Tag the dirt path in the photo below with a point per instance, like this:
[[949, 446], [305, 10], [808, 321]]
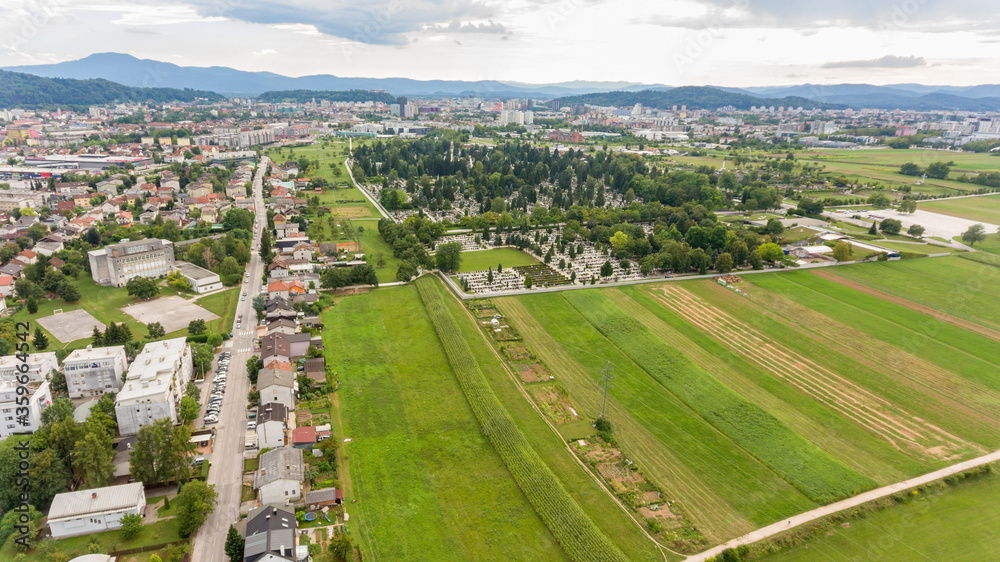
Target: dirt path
[[943, 316], [793, 522]]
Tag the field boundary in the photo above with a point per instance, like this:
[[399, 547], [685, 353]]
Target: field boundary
[[820, 512]]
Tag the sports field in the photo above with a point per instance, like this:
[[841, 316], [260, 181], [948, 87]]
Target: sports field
[[983, 209]]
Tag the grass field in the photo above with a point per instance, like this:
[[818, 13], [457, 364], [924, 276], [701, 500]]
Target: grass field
[[489, 259], [980, 209], [157, 533], [427, 482], [958, 523]]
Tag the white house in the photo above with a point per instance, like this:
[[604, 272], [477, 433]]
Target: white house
[[40, 366], [271, 425], [154, 385], [93, 372], [277, 385], [94, 511], [279, 478]]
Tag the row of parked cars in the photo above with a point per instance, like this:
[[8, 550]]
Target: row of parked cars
[[215, 400]]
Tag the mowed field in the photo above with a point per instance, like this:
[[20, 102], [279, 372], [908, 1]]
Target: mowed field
[[428, 484], [747, 409], [985, 208], [490, 259]]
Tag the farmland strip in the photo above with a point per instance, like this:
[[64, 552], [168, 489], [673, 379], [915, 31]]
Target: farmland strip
[[800, 462], [577, 534]]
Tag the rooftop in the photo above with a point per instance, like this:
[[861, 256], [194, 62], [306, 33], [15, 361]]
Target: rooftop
[[90, 354], [280, 464], [111, 499]]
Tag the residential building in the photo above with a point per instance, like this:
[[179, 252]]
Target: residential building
[[304, 437], [95, 371], [96, 510], [154, 385], [117, 263], [271, 424], [40, 366], [201, 279], [279, 478], [318, 499], [270, 535], [13, 420], [277, 385]]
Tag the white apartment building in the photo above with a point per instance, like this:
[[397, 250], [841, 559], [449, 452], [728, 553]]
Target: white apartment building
[[40, 366], [11, 422], [117, 263], [154, 385], [94, 372]]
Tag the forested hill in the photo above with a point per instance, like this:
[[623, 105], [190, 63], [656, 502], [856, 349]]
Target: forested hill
[[694, 97], [304, 96], [29, 91]]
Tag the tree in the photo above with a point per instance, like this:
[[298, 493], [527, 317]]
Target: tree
[[32, 305], [69, 293], [527, 281], [142, 288], [58, 383], [842, 251], [891, 226], [938, 170], [908, 206], [156, 330], [203, 355], [407, 270], [194, 502], [909, 169], [41, 341], [196, 327], [160, 453], [234, 545], [340, 548], [915, 230], [449, 256], [131, 525], [976, 233], [607, 269], [874, 229], [189, 409], [12, 520], [93, 456], [59, 410], [724, 263], [774, 226], [259, 303], [770, 252]]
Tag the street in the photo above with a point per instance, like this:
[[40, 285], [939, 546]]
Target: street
[[226, 473]]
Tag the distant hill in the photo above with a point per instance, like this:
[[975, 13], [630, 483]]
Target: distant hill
[[304, 96], [694, 97], [24, 90]]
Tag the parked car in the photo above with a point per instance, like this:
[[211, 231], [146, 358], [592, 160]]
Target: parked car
[[251, 425]]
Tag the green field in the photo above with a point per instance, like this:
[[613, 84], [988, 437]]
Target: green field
[[427, 482], [490, 259], [957, 523], [981, 209]]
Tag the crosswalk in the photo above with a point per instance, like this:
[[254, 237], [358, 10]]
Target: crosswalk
[[245, 350]]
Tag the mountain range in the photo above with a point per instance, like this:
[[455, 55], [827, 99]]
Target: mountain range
[[144, 73]]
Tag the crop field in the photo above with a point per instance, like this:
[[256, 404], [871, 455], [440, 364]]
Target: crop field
[[572, 528], [490, 259], [428, 483], [957, 523], [983, 209]]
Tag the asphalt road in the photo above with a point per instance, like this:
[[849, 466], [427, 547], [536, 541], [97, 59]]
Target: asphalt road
[[226, 473]]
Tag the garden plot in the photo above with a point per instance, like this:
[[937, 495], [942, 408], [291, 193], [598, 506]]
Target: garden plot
[[173, 313], [71, 326]]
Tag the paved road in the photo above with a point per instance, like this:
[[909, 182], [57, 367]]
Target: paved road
[[227, 457], [786, 524]]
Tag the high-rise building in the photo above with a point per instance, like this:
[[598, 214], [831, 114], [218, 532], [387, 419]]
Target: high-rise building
[[117, 263], [94, 371], [154, 385]]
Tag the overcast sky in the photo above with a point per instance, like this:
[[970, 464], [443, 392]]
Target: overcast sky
[[674, 42]]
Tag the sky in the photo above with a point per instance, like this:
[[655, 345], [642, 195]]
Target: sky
[[674, 42]]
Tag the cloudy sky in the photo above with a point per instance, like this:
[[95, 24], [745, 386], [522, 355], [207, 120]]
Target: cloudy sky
[[675, 42]]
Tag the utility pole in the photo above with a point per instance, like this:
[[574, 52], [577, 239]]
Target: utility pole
[[606, 381]]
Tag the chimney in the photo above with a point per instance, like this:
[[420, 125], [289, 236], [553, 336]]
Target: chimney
[[93, 496]]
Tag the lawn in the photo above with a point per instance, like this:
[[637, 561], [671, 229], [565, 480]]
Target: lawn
[[374, 245], [957, 523], [223, 304], [157, 533], [490, 259], [981, 209], [428, 484], [103, 303]]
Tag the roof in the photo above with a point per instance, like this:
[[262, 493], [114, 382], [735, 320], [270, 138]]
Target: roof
[[275, 377], [272, 411], [315, 365], [94, 353], [260, 519], [323, 496], [280, 464], [194, 272], [304, 434], [110, 499]]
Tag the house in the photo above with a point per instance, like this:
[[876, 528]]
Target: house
[[326, 497], [271, 425], [270, 535], [286, 288], [6, 285], [278, 268], [277, 385], [282, 326], [303, 251], [124, 219], [275, 347], [28, 257], [315, 369], [279, 478], [304, 437], [94, 511], [12, 269], [49, 245]]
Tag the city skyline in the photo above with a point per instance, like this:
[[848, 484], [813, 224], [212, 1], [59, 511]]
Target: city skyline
[[679, 42]]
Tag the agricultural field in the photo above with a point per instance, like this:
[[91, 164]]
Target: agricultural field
[[489, 259], [981, 209], [428, 483]]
